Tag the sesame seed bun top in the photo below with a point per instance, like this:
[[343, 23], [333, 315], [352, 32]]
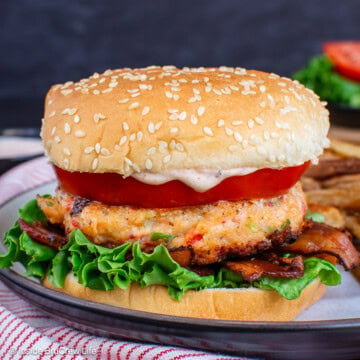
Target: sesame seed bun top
[[164, 118]]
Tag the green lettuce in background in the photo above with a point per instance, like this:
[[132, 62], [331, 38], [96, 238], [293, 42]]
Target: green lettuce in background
[[320, 75], [101, 268]]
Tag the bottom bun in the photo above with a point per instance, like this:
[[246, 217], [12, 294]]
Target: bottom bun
[[226, 304]]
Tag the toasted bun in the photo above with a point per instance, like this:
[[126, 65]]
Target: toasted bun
[[226, 304], [163, 118]]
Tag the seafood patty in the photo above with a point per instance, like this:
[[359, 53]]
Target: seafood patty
[[214, 232]]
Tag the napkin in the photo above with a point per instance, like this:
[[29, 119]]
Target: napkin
[[29, 333]]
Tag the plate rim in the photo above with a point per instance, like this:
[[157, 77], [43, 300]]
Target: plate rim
[[210, 324]]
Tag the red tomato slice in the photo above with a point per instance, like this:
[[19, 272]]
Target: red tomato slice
[[113, 189], [345, 55]]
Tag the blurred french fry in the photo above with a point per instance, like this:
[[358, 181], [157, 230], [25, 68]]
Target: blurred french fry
[[342, 197], [344, 148], [332, 215], [352, 223]]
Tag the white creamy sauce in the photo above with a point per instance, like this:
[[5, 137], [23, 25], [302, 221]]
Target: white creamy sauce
[[199, 180], [13, 147]]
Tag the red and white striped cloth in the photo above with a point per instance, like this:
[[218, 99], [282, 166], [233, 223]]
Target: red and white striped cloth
[[28, 333]]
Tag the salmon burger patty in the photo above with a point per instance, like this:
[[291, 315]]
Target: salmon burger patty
[[214, 231]]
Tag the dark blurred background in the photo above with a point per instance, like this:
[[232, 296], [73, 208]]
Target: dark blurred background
[[44, 42]]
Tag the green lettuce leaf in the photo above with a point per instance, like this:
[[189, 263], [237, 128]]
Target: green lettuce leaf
[[291, 288], [101, 268], [320, 75]]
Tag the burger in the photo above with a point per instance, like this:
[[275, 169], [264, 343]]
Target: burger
[[178, 193]]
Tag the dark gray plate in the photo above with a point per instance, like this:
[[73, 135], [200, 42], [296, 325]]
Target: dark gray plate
[[327, 339]]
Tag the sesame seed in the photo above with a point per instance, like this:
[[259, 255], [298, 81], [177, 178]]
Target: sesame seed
[[163, 145], [113, 84], [67, 128], [66, 92], [66, 163], [201, 110], [97, 148], [166, 159], [174, 116], [262, 104], [88, 149], [132, 137], [151, 151], [208, 88], [66, 151], [193, 119], [192, 100], [79, 133], [96, 92], [250, 123], [123, 140], [53, 131], [133, 105], [139, 135], [107, 90], [266, 135], [237, 122], [125, 126], [52, 114], [282, 125], [123, 101], [172, 111], [208, 131], [57, 139], [287, 109], [135, 95], [158, 125], [168, 94], [232, 148], [172, 144], [176, 97], [69, 111], [217, 92], [228, 131], [259, 120], [98, 117], [94, 164], [238, 137], [174, 130], [271, 100], [151, 128], [182, 115], [274, 134], [76, 119], [262, 88], [133, 91], [148, 164], [128, 161], [220, 123], [179, 147], [145, 110], [233, 87]]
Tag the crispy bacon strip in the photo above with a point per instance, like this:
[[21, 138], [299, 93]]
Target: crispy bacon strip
[[282, 267], [324, 239], [42, 232], [182, 255]]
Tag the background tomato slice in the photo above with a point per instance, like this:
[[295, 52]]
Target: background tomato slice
[[345, 55], [113, 189]]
